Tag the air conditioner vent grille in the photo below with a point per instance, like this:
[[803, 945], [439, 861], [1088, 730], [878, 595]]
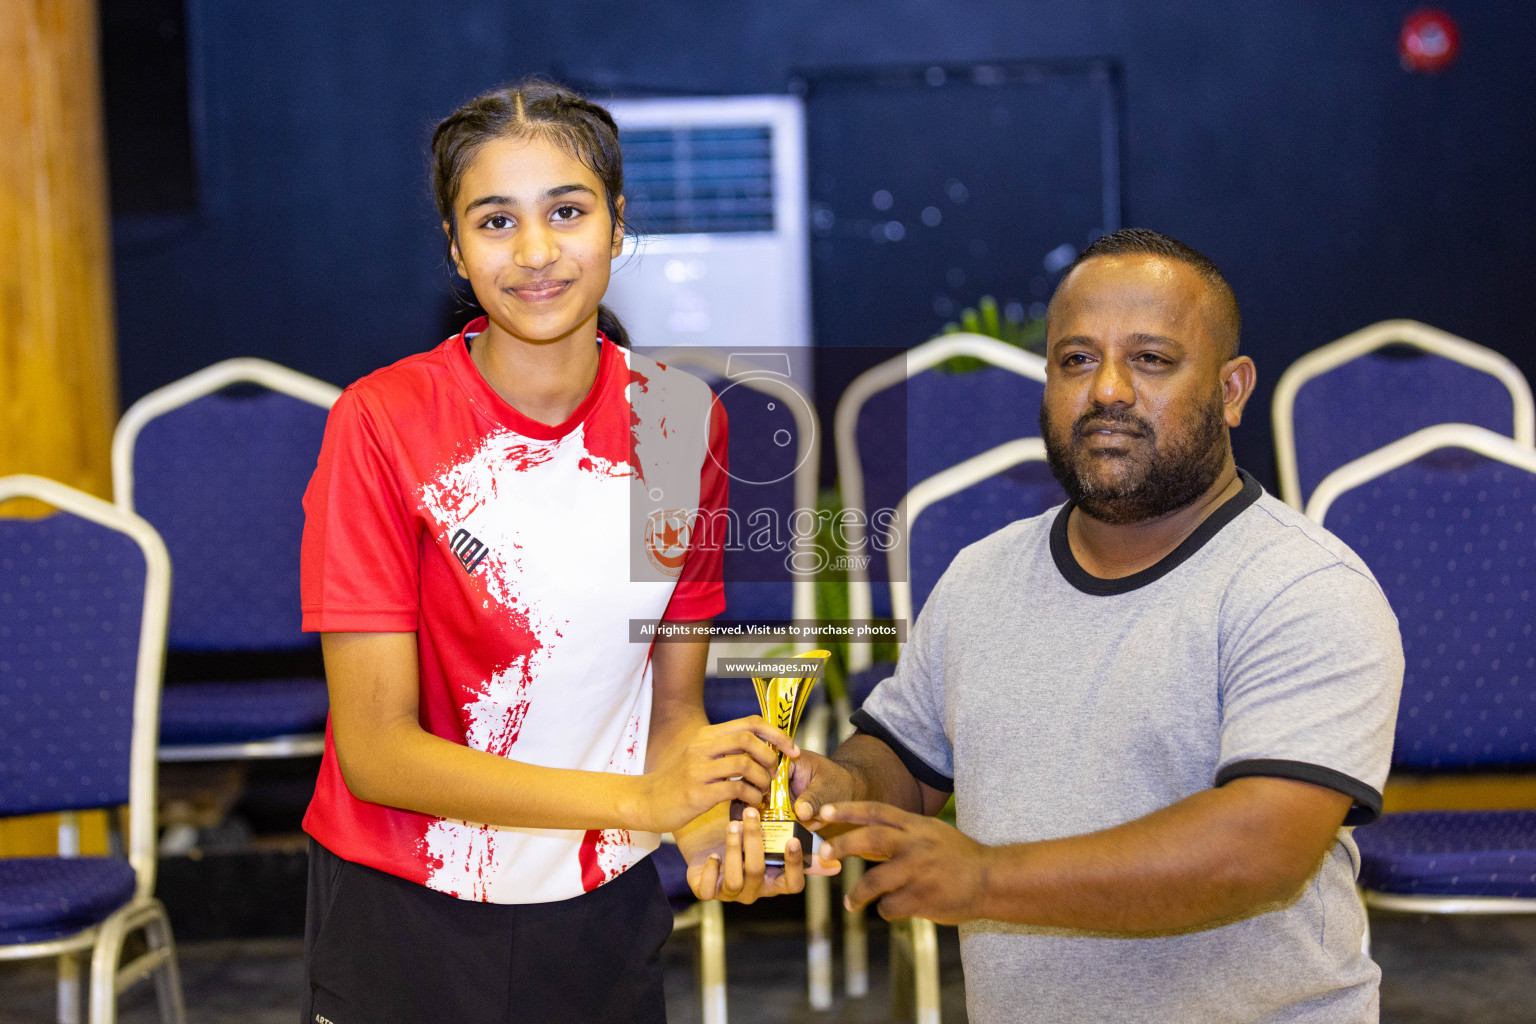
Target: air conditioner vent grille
[[701, 179]]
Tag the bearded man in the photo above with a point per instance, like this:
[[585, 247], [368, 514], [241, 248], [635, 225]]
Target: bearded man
[[1160, 706]]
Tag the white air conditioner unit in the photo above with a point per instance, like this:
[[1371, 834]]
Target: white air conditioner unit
[[716, 194]]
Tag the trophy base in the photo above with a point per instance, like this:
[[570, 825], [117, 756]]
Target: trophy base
[[776, 834]]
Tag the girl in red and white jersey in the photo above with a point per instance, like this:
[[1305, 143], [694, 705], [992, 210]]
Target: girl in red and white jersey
[[487, 524]]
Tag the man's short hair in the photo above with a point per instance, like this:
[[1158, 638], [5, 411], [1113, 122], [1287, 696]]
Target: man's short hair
[[1146, 242]]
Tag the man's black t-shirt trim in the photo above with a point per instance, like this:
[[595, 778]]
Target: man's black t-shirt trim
[[1066, 562], [921, 770], [1367, 806]]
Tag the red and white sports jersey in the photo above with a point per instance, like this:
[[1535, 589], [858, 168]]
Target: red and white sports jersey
[[509, 548]]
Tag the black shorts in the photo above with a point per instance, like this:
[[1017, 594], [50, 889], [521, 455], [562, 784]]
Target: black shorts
[[379, 949]]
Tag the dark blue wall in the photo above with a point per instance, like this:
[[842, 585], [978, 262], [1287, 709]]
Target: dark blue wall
[[1283, 139]]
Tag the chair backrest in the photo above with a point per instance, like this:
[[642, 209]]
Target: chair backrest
[[1446, 520], [775, 456], [218, 462], [907, 419], [1384, 382], [960, 506], [84, 596]]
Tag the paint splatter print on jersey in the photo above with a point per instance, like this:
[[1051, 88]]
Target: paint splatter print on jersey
[[508, 547]]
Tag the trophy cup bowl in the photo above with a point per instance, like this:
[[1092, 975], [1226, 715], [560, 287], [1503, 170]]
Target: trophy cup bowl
[[782, 699]]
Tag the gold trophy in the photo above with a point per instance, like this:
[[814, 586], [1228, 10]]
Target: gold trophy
[[782, 700]]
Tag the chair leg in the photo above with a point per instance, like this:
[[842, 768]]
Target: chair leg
[[814, 733], [69, 988], [925, 970], [159, 960], [900, 970], [915, 971], [104, 959], [168, 991], [712, 962], [855, 938], [818, 947]]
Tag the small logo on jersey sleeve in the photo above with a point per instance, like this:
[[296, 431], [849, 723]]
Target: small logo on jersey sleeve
[[667, 536], [471, 552]]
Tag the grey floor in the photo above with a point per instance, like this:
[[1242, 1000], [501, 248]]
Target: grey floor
[[1455, 971]]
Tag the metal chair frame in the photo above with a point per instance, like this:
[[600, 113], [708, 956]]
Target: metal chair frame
[[920, 945], [718, 364], [108, 976], [1416, 445], [1362, 471], [708, 916], [850, 479], [813, 731], [850, 469], [1369, 339], [171, 397]]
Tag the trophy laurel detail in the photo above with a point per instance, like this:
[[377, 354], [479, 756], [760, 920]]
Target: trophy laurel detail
[[782, 700]]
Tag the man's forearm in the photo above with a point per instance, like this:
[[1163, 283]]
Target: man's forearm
[[876, 773], [1217, 855]]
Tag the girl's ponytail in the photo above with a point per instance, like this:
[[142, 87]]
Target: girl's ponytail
[[610, 326]]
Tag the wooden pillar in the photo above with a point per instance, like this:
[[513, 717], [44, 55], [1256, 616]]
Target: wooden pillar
[[58, 361]]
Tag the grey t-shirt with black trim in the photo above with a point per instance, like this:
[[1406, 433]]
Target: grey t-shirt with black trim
[[1056, 703]]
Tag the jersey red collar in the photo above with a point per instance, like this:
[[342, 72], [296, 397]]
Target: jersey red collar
[[485, 399]]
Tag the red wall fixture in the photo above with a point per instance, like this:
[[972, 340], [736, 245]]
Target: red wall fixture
[[1429, 41]]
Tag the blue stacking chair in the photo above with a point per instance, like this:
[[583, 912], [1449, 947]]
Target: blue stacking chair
[[775, 455], [84, 594], [943, 419], [218, 463], [1446, 520], [963, 504], [942, 514], [960, 505], [1381, 383]]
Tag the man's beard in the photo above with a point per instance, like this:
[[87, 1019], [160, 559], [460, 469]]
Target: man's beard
[[1162, 478]]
